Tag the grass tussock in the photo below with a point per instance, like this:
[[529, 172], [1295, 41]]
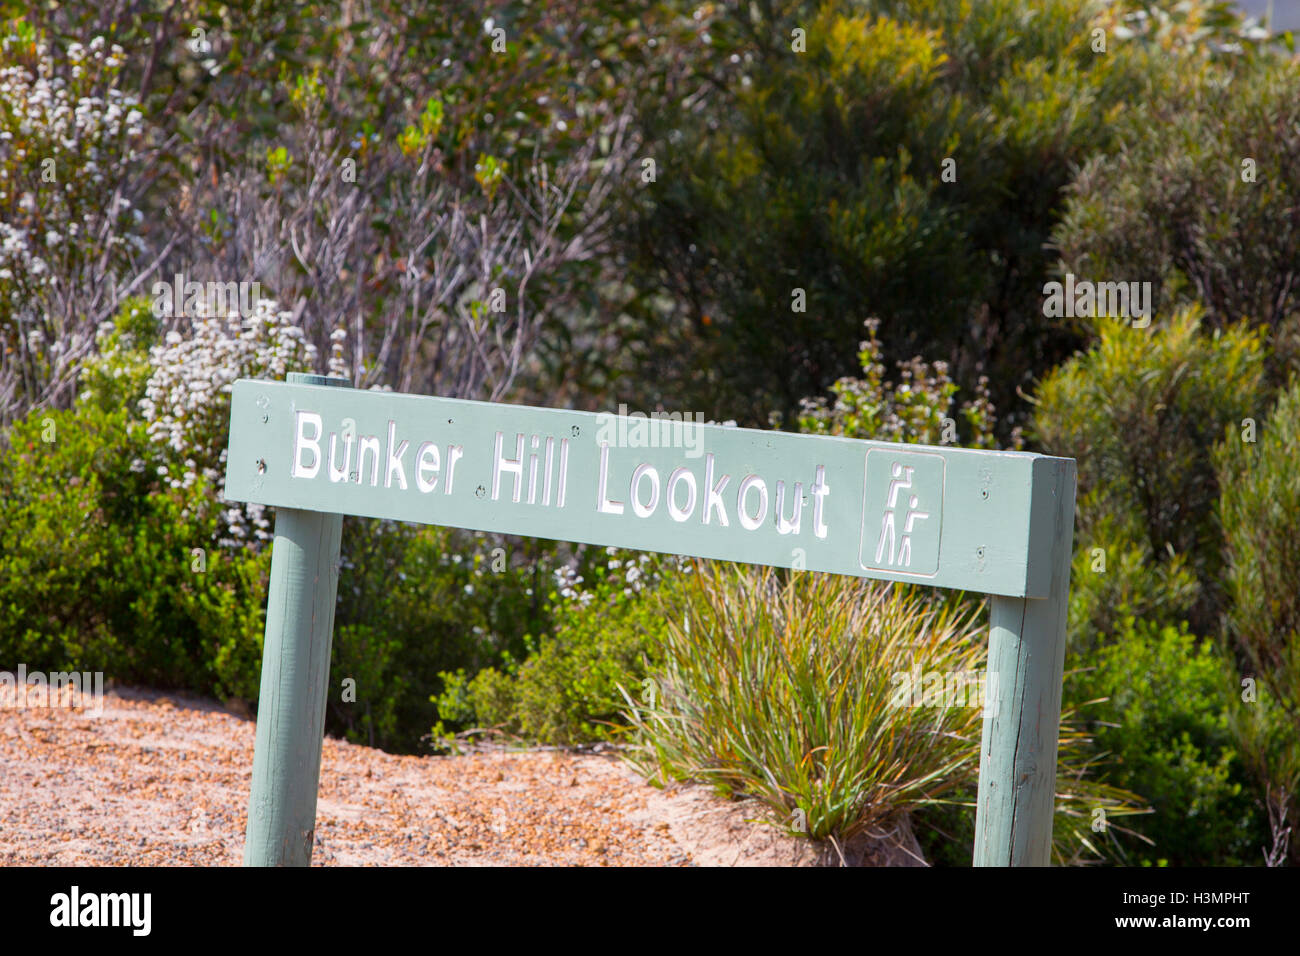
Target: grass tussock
[[786, 687], [792, 688]]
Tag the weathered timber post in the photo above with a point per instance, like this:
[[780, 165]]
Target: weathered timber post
[[295, 678], [1017, 781]]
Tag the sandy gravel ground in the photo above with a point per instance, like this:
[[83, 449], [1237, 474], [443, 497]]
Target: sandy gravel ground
[[163, 780]]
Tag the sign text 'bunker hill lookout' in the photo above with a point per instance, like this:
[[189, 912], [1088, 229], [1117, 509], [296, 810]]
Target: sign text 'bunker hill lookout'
[[828, 504], [520, 461]]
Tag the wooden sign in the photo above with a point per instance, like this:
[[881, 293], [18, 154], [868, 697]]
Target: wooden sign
[[996, 522], [948, 517]]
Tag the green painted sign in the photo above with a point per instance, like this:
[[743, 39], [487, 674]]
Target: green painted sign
[[948, 517], [997, 522]]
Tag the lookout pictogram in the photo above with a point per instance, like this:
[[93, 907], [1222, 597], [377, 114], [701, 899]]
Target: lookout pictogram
[[902, 558], [902, 512]]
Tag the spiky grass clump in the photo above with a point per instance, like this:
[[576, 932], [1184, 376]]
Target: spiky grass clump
[[792, 688]]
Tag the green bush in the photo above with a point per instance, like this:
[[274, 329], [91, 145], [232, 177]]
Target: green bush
[[1260, 511], [1201, 200], [917, 408], [118, 374], [1113, 575], [416, 601], [1165, 724], [796, 689], [909, 164], [1141, 412], [60, 589], [567, 689], [104, 566], [1264, 728]]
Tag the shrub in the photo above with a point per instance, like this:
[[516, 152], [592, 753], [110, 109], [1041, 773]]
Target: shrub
[[59, 584], [568, 690], [103, 566], [186, 404], [795, 689], [1264, 729], [910, 165], [415, 601], [1164, 720], [1141, 412], [1113, 575], [118, 374], [1260, 511], [1201, 201], [916, 408], [73, 160]]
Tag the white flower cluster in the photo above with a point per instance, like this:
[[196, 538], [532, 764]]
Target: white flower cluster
[[338, 365], [567, 581], [636, 577], [187, 404], [42, 104], [45, 118], [18, 258]]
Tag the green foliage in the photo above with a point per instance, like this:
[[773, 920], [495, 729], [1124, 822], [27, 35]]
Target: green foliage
[[1201, 200], [825, 171], [1165, 723], [568, 690], [1141, 411], [98, 568], [1264, 728], [415, 601], [116, 376], [815, 693], [1114, 576], [51, 544], [1260, 512], [787, 692], [915, 409]]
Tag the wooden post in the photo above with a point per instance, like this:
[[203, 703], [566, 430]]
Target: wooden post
[[295, 680], [1017, 780]]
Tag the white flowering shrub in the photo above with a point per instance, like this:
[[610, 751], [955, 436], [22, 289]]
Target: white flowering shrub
[[916, 408], [70, 142], [625, 574], [186, 406]]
